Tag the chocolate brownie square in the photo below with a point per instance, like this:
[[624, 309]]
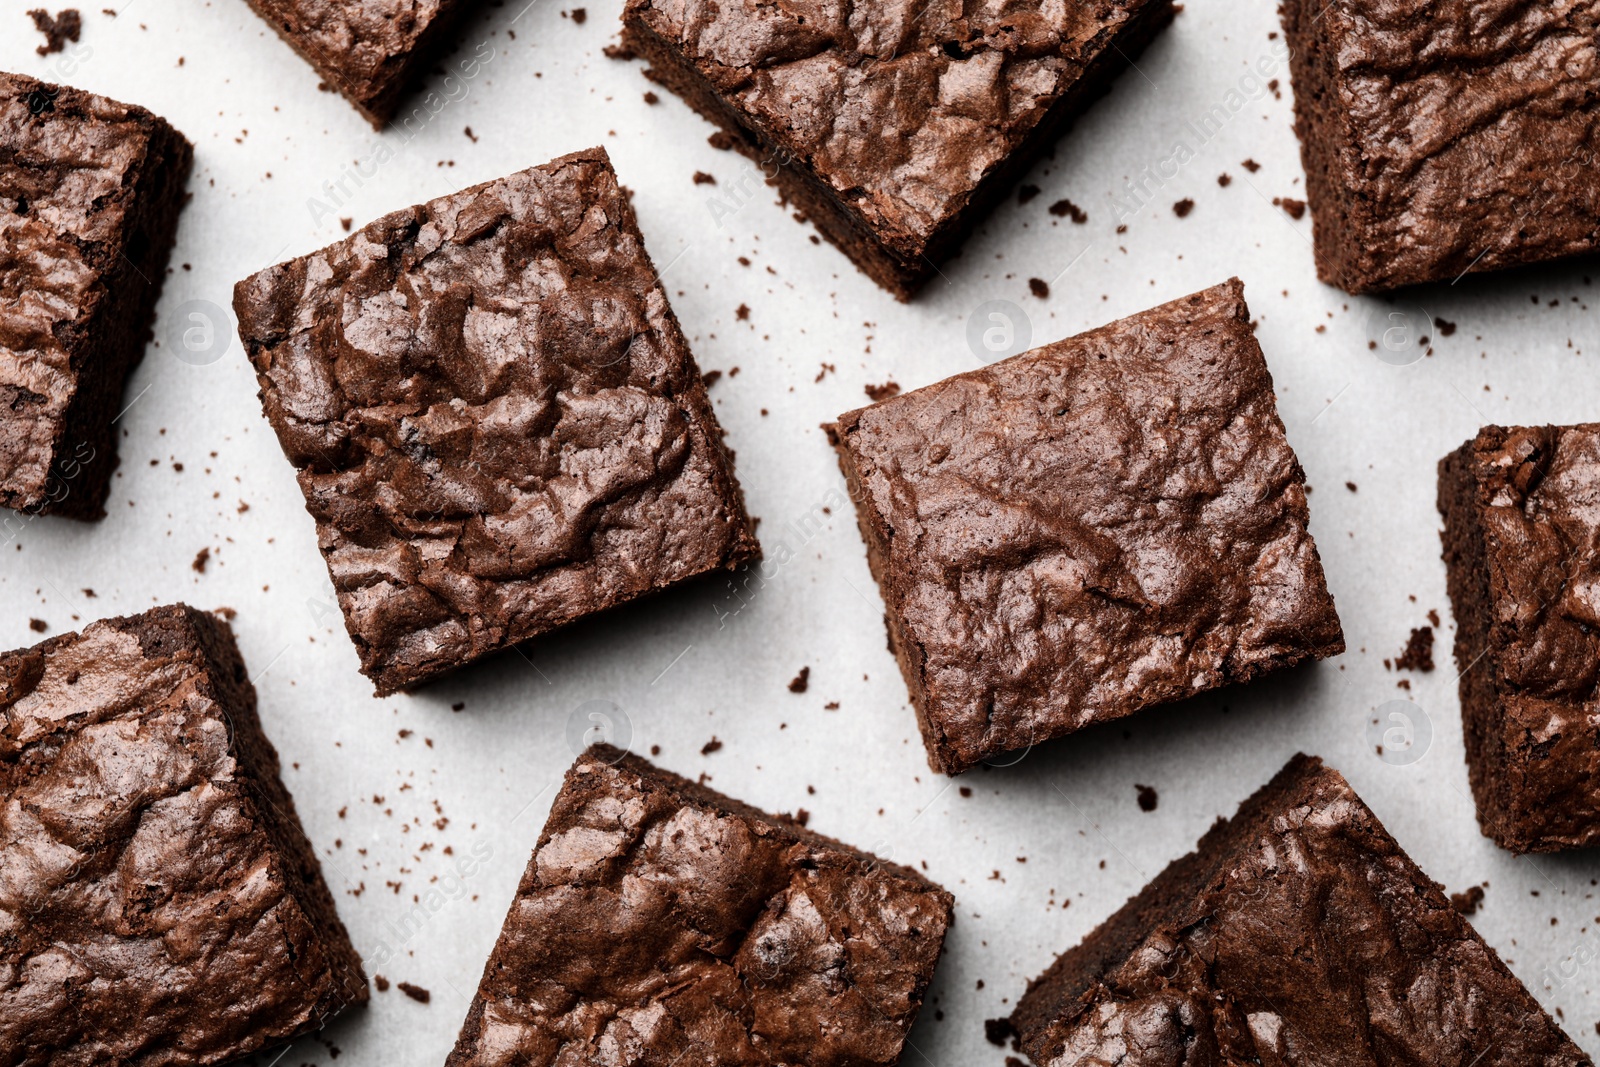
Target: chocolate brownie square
[[495, 418], [1109, 522], [159, 901], [659, 919], [1299, 932], [1445, 138], [89, 196], [369, 50], [1520, 547], [893, 128]]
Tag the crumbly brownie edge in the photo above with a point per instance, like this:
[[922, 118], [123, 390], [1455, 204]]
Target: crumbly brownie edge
[[902, 271], [1467, 582], [1341, 218], [263, 776], [907, 651], [110, 344]]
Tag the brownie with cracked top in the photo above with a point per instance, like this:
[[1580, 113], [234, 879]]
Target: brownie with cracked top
[[496, 421], [1102, 524], [369, 50], [1521, 531], [159, 902], [90, 191], [1299, 932], [893, 126], [659, 920], [1446, 137]]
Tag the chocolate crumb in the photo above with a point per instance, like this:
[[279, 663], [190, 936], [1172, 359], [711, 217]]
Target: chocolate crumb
[[1418, 655], [713, 745], [66, 26], [651, 98], [1183, 207], [1039, 288], [415, 992], [38, 626], [1444, 326], [1148, 797], [346, 223], [721, 140], [470, 135], [883, 392], [580, 15], [1066, 207], [1350, 486], [798, 683], [617, 51], [710, 378], [702, 178], [1251, 165], [381, 982], [1467, 901], [742, 312], [1433, 616], [1224, 179], [998, 1031], [1295, 209], [201, 558]]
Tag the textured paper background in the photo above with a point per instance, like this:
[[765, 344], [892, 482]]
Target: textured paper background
[[703, 663]]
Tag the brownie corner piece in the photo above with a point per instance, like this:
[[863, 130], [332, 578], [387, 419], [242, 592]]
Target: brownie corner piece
[[1406, 185], [159, 891], [1297, 932], [1106, 523], [496, 421], [663, 918], [368, 50], [1519, 547], [893, 133], [90, 191]]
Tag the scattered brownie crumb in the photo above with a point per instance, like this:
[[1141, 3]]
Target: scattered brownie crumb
[[580, 15], [998, 1031], [832, 705], [1444, 326], [1433, 616], [965, 790], [1350, 486], [470, 135], [1026, 193], [801, 817], [617, 51], [1251, 165], [66, 26], [827, 368], [798, 683], [722, 140], [415, 992], [1466, 902], [883, 392], [201, 558], [1148, 797], [655, 750], [713, 745], [1183, 207], [710, 378], [1039, 288], [651, 98], [90, 593], [38, 626], [1418, 655], [381, 982], [702, 178], [742, 312], [1066, 207], [346, 223], [1295, 209], [225, 613], [1224, 179]]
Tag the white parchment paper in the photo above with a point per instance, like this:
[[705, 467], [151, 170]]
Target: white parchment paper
[[1038, 853]]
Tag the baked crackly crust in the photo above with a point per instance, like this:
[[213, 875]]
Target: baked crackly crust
[[1299, 932], [369, 50], [659, 919], [89, 196], [894, 126], [1520, 538], [1446, 136], [495, 418], [160, 905], [1109, 522]]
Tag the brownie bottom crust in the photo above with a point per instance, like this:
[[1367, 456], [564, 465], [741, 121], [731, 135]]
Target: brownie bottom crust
[[900, 270]]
